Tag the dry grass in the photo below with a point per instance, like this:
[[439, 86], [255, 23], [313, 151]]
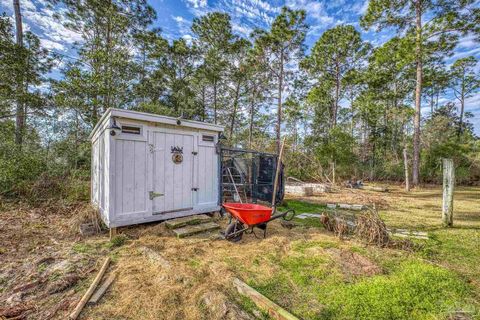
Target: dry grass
[[201, 270], [290, 266]]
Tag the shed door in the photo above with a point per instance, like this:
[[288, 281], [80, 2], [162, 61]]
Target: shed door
[[172, 172]]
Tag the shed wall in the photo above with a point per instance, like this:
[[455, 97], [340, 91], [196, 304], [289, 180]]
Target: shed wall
[[127, 167]]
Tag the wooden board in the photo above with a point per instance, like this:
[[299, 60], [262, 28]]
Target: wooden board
[[194, 229], [191, 220], [101, 291], [274, 310]]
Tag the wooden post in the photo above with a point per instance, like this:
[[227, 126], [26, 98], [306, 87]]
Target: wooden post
[[448, 187], [405, 162], [277, 173], [113, 233]]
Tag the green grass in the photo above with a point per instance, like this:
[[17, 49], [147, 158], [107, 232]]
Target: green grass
[[301, 206], [436, 280], [304, 207], [310, 287], [249, 306], [117, 241], [83, 247], [416, 290]]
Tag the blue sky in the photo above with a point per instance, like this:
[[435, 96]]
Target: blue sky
[[174, 18]]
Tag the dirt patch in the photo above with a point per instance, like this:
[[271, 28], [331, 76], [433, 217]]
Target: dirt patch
[[353, 264], [41, 271]]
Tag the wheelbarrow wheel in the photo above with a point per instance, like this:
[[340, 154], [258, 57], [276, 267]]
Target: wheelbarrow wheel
[[232, 228]]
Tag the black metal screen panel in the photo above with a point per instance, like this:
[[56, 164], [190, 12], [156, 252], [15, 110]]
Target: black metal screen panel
[[248, 176]]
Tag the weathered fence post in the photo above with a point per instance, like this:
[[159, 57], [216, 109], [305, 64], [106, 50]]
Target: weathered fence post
[[448, 186]]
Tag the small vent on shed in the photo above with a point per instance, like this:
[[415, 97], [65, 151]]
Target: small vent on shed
[[130, 130], [208, 138]]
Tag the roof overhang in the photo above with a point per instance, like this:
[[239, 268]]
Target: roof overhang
[[154, 118]]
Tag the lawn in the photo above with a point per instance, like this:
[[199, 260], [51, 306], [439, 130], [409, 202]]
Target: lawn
[[437, 280]]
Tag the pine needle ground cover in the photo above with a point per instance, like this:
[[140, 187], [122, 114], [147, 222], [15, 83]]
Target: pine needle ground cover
[[306, 269]]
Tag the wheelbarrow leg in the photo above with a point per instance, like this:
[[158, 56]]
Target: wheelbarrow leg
[[263, 226]]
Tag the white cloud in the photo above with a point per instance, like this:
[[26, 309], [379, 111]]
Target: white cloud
[[50, 45], [188, 38], [39, 18], [197, 3], [315, 10], [468, 42], [462, 54], [243, 30], [182, 24], [363, 8]]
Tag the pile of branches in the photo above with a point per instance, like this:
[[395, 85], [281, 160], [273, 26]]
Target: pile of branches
[[339, 225], [371, 229], [368, 227]]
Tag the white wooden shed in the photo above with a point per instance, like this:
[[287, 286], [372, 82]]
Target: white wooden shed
[[148, 167]]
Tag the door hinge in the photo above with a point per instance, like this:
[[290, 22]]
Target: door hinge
[[153, 195], [194, 189], [194, 153]]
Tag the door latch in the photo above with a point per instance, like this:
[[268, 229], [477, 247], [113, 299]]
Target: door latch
[[194, 153], [194, 189], [153, 195]]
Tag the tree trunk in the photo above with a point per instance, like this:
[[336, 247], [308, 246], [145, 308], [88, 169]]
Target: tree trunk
[[19, 114], [107, 76], [279, 109], [405, 164], [334, 116], [418, 95], [462, 108], [337, 96], [250, 129], [234, 113], [204, 107], [448, 187], [215, 101]]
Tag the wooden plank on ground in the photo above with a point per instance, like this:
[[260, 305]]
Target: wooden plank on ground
[[308, 215], [194, 229], [76, 312], [101, 291], [274, 310], [190, 220], [375, 188]]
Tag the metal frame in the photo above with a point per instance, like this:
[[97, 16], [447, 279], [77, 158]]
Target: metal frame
[[223, 150]]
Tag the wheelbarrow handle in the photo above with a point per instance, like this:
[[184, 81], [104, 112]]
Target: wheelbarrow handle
[[283, 215]]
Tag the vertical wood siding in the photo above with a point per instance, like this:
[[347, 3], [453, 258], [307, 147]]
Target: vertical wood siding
[[130, 165]]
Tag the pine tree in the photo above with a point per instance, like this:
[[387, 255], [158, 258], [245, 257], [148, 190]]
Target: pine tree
[[281, 46], [425, 21], [464, 82]]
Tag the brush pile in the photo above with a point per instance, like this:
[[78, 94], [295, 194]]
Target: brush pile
[[368, 227], [337, 224], [371, 229]]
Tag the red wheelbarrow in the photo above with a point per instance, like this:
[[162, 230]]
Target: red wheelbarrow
[[246, 216]]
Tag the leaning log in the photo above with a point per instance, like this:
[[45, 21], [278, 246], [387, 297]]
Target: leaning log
[[274, 310], [76, 312]]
